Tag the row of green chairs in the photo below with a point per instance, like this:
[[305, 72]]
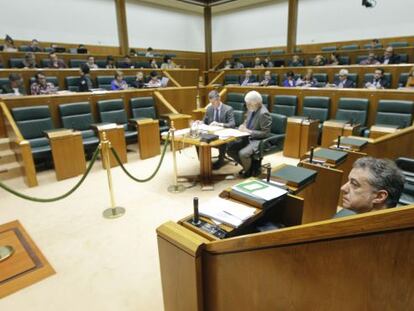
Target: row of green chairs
[[34, 121]]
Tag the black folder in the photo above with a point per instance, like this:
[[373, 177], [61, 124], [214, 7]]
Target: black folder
[[330, 156], [353, 142], [295, 176]]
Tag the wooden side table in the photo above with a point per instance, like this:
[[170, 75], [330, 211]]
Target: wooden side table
[[148, 138]]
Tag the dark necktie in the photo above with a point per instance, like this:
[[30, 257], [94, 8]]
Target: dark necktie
[[250, 123], [216, 115]]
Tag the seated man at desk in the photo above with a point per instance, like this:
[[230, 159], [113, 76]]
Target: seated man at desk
[[221, 115], [258, 123], [373, 184], [15, 85]]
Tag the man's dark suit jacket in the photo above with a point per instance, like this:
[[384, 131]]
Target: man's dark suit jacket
[[6, 89], [394, 59], [348, 83], [252, 79], [226, 116]]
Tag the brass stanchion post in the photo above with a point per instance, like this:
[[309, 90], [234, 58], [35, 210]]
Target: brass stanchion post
[[6, 251], [113, 211], [198, 103], [175, 188]]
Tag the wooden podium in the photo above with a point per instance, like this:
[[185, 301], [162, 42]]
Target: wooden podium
[[148, 138], [301, 135], [333, 128], [378, 131], [67, 152], [116, 135]]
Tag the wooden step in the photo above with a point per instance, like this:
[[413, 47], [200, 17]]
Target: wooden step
[[4, 144], [10, 170], [7, 156]]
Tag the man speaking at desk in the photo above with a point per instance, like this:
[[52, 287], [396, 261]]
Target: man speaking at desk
[[219, 114], [258, 123]]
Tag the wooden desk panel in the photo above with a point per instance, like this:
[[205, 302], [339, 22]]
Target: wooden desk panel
[[292, 141], [148, 138], [68, 155], [117, 138]]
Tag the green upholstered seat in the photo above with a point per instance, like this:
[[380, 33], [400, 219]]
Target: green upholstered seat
[[112, 111], [360, 58], [24, 48], [129, 79], [395, 112], [44, 63], [329, 48], [32, 122], [265, 98], [16, 62], [76, 63], [238, 117], [353, 109], [72, 83], [285, 105], [104, 82], [350, 47], [274, 142], [247, 64], [343, 60], [321, 77], [407, 167], [316, 107], [231, 79], [262, 53], [277, 52], [398, 44], [236, 100], [101, 63], [142, 65], [78, 116], [370, 76], [3, 81], [403, 58], [144, 107], [369, 46], [402, 80]]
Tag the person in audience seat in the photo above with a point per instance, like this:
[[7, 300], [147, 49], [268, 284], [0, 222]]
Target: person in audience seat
[[268, 63], [290, 79], [153, 64], [319, 60], [29, 61], [8, 45], [343, 81], [54, 62], [373, 184], [257, 124], [127, 63], [34, 46], [378, 80], [15, 85], [139, 82], [267, 79], [219, 114], [370, 60], [227, 64], [168, 63], [333, 59], [119, 83], [389, 57], [85, 82], [150, 52], [410, 80], [258, 63], [307, 80], [248, 78], [41, 86], [237, 64], [91, 63], [110, 62], [296, 62], [154, 81]]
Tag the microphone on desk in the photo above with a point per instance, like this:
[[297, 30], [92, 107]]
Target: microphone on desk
[[338, 144], [311, 155], [268, 172], [196, 216]]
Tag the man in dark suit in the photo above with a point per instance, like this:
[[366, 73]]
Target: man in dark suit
[[257, 124], [247, 78], [389, 57], [15, 85], [267, 79], [378, 81], [343, 81], [219, 114]]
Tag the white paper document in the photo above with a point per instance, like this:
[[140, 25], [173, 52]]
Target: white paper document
[[259, 189], [209, 128], [226, 211], [226, 133]]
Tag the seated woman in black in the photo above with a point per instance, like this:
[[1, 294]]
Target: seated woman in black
[[85, 83], [139, 82]]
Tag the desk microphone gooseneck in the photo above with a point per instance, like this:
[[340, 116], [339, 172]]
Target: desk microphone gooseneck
[[196, 216]]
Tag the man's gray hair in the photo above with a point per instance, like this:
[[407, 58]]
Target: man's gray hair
[[343, 72], [213, 94], [253, 96], [383, 175]]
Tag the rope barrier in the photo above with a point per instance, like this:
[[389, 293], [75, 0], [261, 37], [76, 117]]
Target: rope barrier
[[167, 141], [48, 200]]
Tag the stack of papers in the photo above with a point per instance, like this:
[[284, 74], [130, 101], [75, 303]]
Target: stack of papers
[[260, 189], [226, 133], [209, 128], [226, 211]]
